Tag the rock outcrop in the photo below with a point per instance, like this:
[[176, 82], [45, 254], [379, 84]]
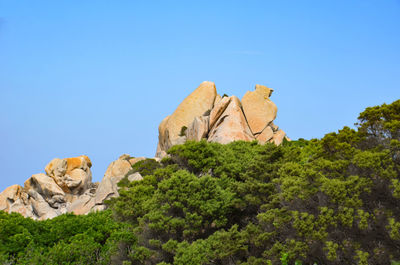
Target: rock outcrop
[[66, 188], [204, 114]]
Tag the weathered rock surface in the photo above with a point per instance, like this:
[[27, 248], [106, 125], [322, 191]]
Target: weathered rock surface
[[258, 108], [231, 125], [66, 187], [223, 120]]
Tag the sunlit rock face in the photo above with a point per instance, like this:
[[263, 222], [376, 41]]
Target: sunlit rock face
[[196, 104], [204, 114]]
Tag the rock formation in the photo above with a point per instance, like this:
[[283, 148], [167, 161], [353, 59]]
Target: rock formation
[[205, 115], [66, 187]]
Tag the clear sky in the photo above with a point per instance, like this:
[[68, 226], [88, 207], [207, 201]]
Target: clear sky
[[97, 77]]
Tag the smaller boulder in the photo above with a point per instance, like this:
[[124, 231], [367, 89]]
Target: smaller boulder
[[265, 135], [278, 137], [82, 205], [9, 196], [135, 177], [136, 159]]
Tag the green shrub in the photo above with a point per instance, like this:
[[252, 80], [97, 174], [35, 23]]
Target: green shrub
[[183, 131]]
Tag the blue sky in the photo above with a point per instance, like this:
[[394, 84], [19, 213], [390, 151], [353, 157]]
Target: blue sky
[[97, 77]]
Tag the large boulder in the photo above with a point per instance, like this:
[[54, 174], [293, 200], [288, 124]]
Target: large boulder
[[231, 125], [171, 129], [57, 169], [258, 108], [73, 174], [44, 185], [135, 177]]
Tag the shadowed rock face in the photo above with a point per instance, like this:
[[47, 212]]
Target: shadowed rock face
[[227, 119]]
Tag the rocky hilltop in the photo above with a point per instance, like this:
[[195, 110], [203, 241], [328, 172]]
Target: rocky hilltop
[[204, 114], [67, 187]]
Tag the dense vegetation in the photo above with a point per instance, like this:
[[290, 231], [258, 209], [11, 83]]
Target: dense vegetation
[[66, 239], [329, 201]]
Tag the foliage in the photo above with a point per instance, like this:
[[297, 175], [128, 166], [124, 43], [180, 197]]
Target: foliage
[[183, 131], [67, 239]]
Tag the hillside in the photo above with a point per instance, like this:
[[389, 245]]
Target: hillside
[[333, 200]]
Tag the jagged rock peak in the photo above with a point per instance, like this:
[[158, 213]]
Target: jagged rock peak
[[204, 114]]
